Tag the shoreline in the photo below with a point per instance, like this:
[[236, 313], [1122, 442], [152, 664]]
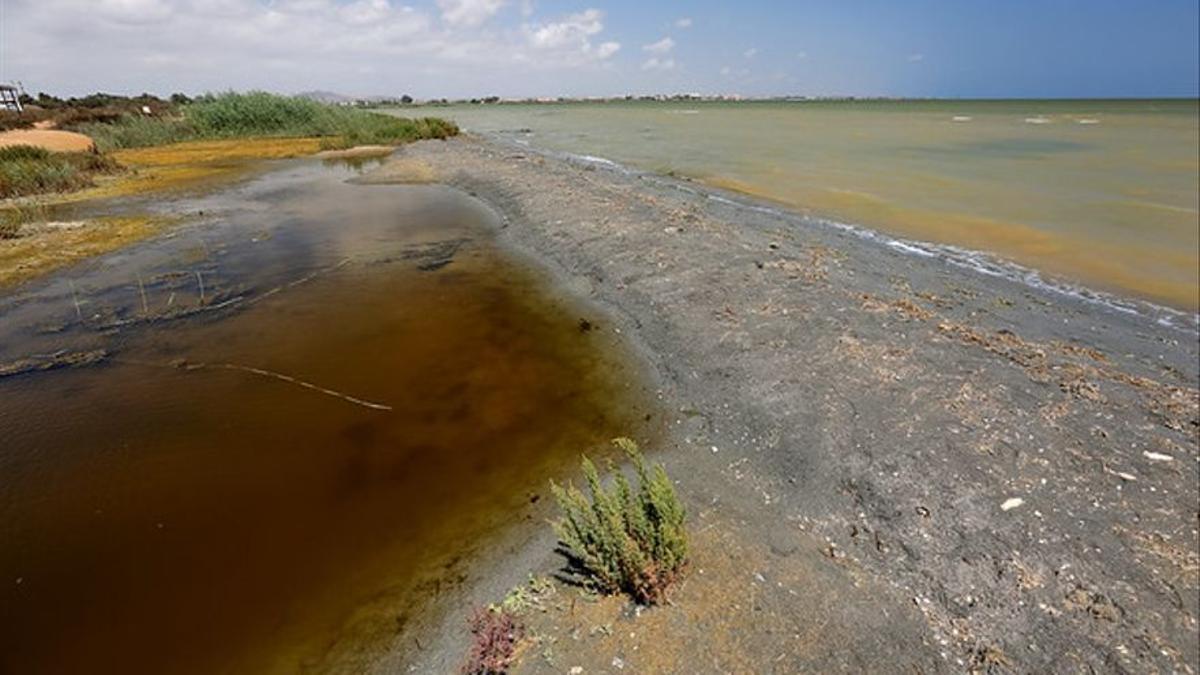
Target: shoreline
[[980, 261], [876, 411], [1059, 197], [846, 421]]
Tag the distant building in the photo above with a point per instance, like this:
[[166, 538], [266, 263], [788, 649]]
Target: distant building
[[10, 98]]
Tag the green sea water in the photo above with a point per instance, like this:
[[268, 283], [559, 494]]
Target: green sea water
[[1102, 193]]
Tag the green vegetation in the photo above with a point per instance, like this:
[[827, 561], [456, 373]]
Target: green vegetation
[[635, 543], [258, 114], [135, 131], [27, 170], [525, 597]]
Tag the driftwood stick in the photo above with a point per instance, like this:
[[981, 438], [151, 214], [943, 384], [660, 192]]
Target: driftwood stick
[[296, 381], [142, 291], [75, 299], [303, 280], [262, 372]]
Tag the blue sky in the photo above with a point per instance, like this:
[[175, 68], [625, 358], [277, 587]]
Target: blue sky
[[452, 48]]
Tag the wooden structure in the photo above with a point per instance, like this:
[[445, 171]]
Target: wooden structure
[[9, 98]]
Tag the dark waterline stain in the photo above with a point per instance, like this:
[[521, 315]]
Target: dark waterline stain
[[180, 508]]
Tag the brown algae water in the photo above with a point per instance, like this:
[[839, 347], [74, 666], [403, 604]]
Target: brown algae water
[[311, 399]]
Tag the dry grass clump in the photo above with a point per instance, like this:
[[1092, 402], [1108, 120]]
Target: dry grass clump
[[625, 541]]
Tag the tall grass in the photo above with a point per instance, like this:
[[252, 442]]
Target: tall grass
[[27, 170], [136, 131], [234, 115]]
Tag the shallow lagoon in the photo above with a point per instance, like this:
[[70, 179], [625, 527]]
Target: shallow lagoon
[[310, 404]]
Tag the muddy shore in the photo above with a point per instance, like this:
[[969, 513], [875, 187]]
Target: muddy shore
[[892, 463]]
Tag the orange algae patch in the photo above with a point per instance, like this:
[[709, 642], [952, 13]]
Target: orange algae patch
[[53, 245], [191, 164], [193, 152], [42, 247]]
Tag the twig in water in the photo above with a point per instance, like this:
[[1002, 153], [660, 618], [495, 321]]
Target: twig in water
[[75, 298], [142, 290], [295, 381], [200, 281], [297, 282], [186, 365]]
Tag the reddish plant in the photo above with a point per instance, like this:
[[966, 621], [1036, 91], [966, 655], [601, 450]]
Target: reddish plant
[[496, 634]]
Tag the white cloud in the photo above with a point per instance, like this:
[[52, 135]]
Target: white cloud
[[607, 49], [354, 46], [572, 29], [685, 22], [655, 63], [661, 47], [726, 70], [750, 53], [526, 7], [916, 58], [365, 11], [137, 12], [468, 12], [801, 55]]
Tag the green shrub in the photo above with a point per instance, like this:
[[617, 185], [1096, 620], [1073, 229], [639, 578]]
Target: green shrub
[[625, 542], [27, 170], [10, 228], [234, 115], [17, 153]]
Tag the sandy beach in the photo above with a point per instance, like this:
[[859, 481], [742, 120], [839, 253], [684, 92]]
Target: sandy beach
[[894, 463]]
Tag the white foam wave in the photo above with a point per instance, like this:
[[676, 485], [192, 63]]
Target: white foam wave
[[597, 160]]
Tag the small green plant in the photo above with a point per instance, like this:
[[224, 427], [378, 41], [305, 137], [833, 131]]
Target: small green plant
[[526, 596], [625, 541]]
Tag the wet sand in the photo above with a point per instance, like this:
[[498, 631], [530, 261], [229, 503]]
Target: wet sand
[[952, 470]]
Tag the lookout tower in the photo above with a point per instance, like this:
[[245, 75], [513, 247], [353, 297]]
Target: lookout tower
[[9, 98]]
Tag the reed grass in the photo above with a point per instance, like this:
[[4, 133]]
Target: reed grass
[[261, 114], [27, 170]]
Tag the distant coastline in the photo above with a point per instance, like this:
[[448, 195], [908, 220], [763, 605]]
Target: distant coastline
[[397, 101]]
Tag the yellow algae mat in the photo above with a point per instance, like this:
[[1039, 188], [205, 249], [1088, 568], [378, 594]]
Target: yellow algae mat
[[44, 243]]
